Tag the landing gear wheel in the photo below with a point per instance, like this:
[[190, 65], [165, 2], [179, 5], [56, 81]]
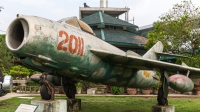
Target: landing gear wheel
[[70, 90], [44, 93], [69, 87], [47, 89]]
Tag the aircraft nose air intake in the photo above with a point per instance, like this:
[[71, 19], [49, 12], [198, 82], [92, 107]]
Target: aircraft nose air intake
[[17, 33]]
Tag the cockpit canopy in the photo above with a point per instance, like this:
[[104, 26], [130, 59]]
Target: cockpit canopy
[[73, 21]]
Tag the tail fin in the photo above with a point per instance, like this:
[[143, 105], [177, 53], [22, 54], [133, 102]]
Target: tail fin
[[150, 54]]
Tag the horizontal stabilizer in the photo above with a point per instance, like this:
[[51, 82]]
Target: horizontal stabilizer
[[170, 55]]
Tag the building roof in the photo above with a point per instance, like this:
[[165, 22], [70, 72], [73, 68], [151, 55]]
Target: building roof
[[146, 27], [115, 12], [114, 31], [93, 19], [105, 19], [109, 20], [120, 36], [144, 30]]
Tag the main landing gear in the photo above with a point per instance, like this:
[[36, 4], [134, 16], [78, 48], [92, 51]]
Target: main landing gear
[[69, 87], [163, 90], [47, 89]]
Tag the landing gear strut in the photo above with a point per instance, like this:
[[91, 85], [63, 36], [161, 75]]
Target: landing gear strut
[[69, 87], [47, 89], [163, 90]]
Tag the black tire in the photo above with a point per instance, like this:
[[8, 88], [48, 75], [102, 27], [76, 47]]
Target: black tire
[[44, 92], [70, 91]]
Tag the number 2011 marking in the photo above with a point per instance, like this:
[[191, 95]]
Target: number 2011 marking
[[78, 43]]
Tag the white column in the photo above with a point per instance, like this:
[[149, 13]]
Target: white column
[[126, 16]]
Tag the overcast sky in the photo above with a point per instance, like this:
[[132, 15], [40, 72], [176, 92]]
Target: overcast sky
[[145, 12]]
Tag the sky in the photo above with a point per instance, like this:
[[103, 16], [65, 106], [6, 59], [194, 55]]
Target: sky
[[145, 12]]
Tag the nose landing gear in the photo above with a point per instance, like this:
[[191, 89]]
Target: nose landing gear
[[47, 89]]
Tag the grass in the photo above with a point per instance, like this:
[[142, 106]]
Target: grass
[[113, 104], [11, 105]]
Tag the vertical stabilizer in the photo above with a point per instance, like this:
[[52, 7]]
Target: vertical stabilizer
[[150, 54]]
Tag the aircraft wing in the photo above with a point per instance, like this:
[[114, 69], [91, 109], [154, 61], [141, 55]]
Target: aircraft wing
[[141, 63]]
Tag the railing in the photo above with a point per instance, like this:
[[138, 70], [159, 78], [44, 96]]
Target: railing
[[36, 89]]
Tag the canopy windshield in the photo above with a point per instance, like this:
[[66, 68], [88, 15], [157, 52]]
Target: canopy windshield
[[79, 24]]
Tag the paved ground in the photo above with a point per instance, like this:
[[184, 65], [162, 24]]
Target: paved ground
[[11, 95]]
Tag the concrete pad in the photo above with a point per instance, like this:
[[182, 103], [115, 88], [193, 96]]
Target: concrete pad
[[73, 104], [163, 108], [50, 106]]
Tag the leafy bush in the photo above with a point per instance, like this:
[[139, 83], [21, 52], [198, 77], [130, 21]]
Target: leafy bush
[[78, 86], [85, 85], [159, 84], [31, 83], [19, 71], [14, 89], [99, 89], [37, 89], [116, 90], [6, 56]]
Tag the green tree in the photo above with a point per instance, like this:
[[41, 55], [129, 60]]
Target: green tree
[[178, 29], [19, 71], [157, 34], [5, 56]]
